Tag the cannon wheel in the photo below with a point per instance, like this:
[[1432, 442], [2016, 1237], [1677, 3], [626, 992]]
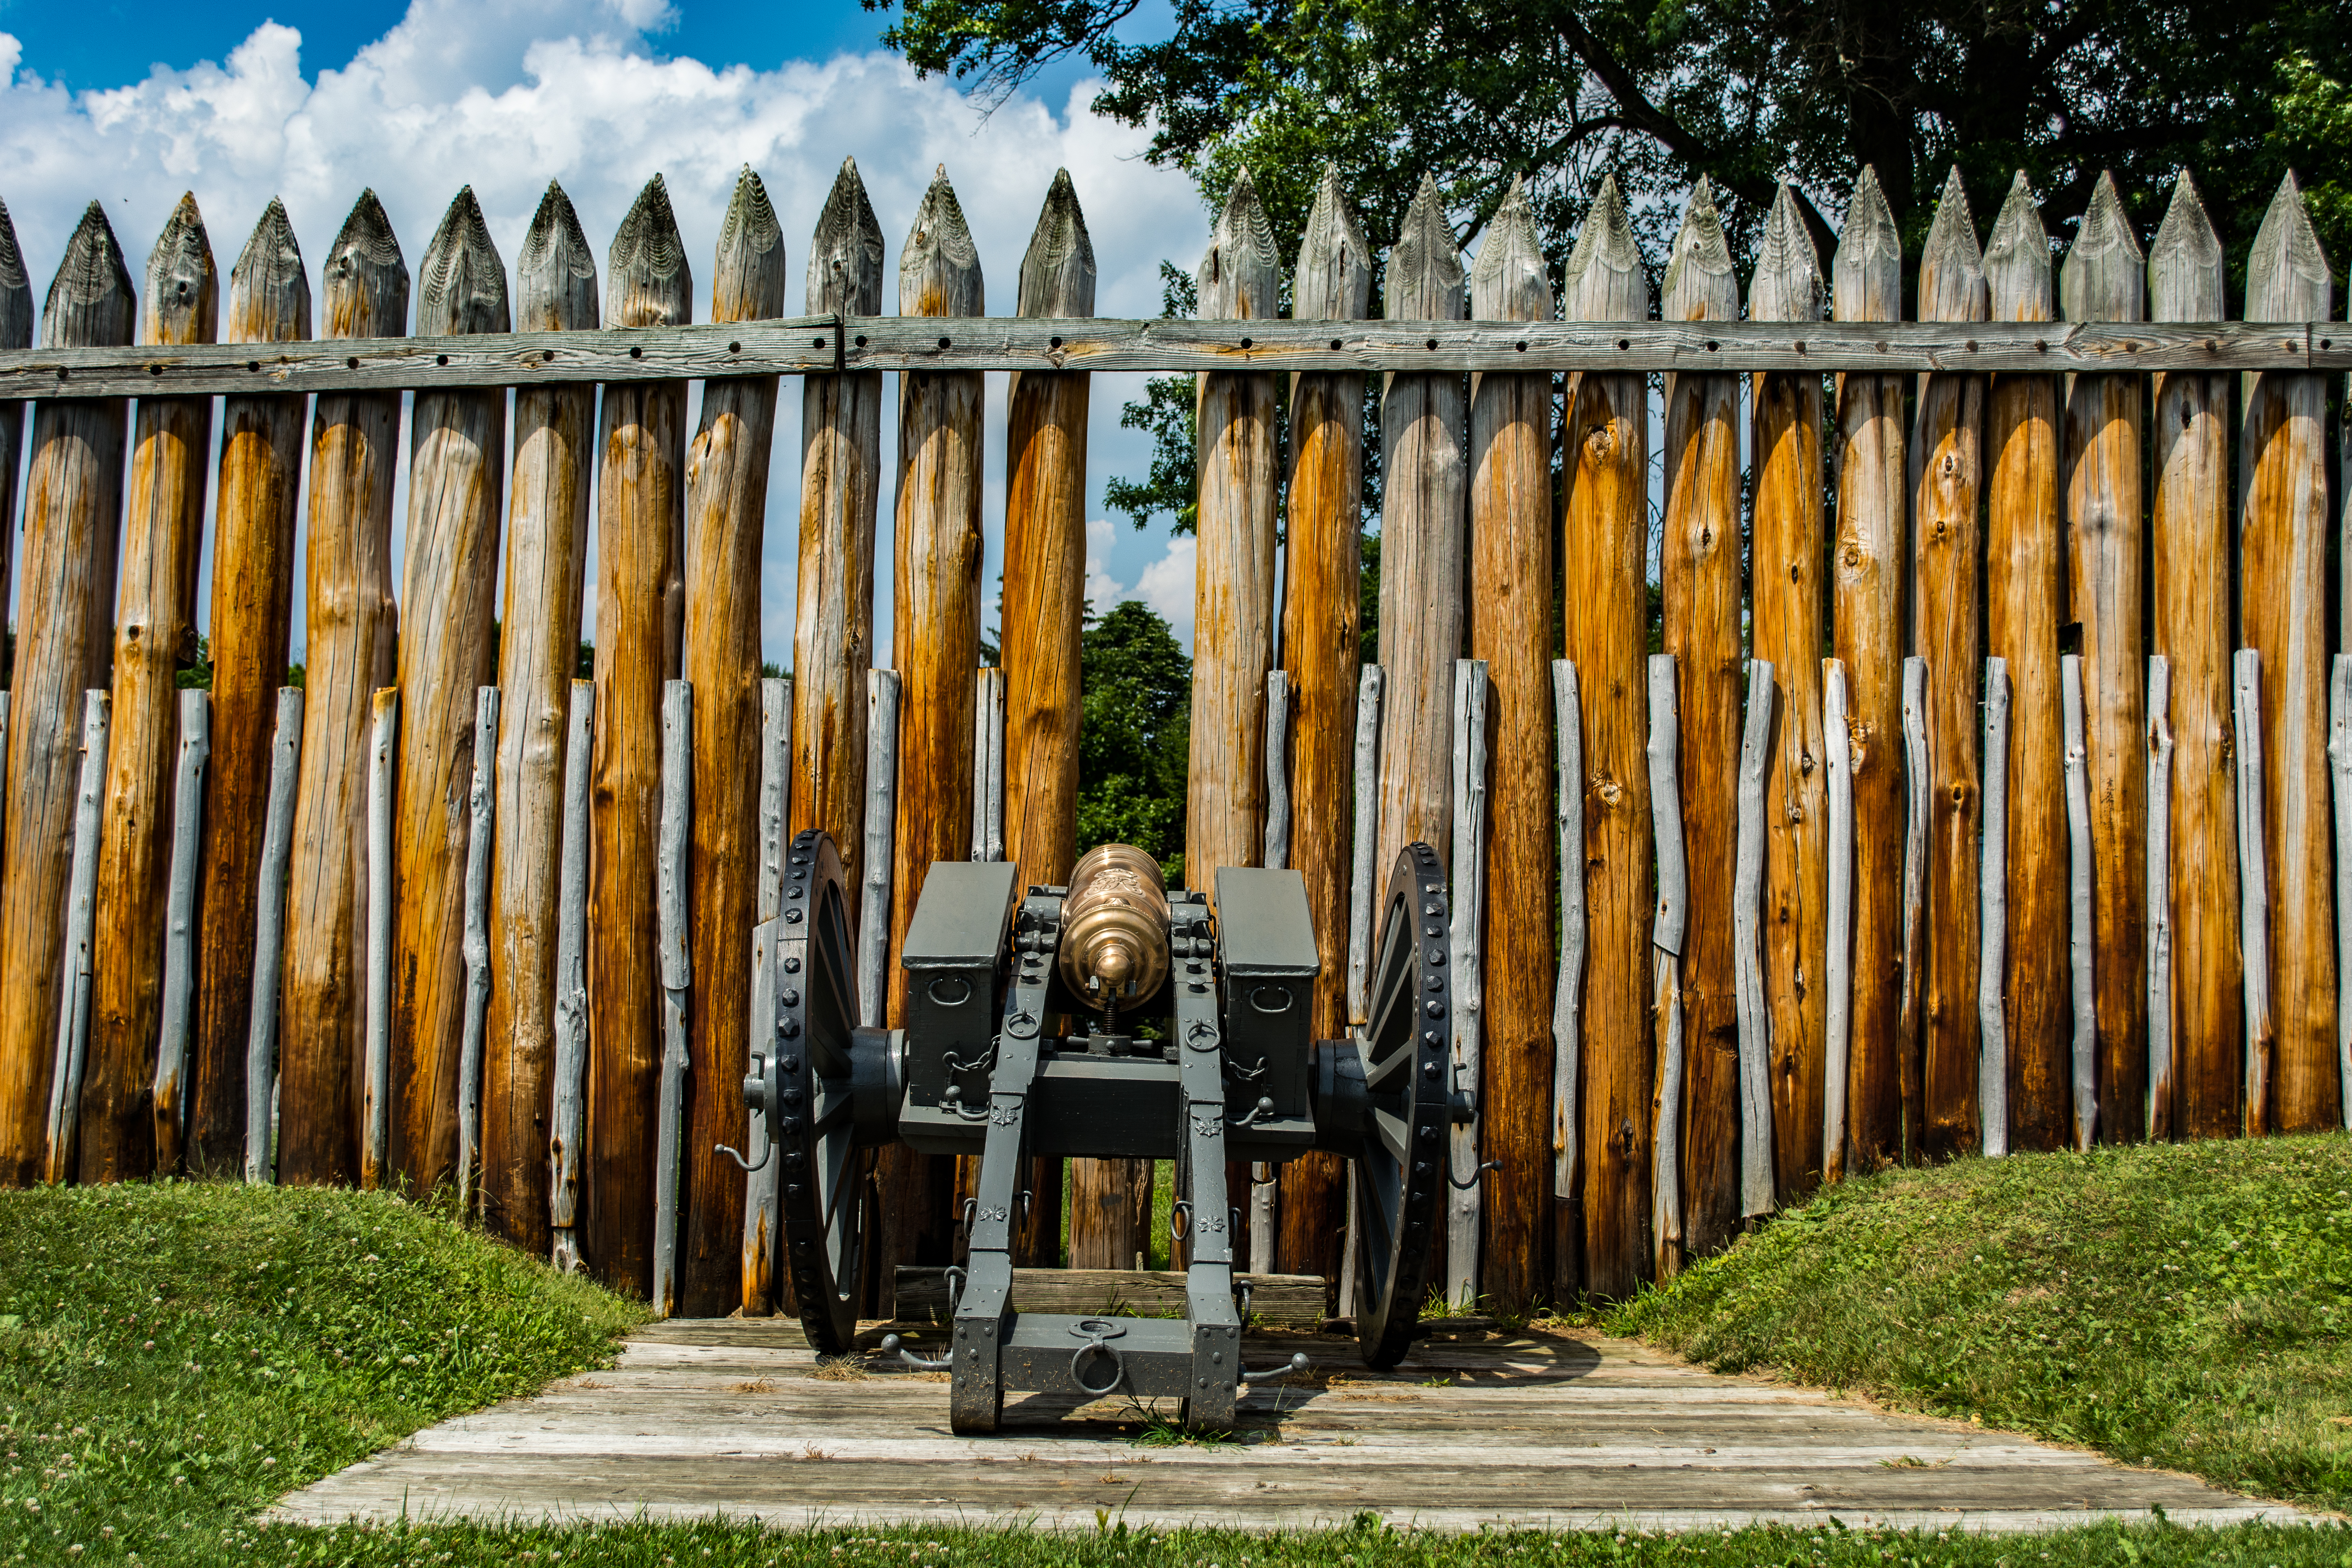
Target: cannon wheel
[[824, 1172], [1401, 1173]]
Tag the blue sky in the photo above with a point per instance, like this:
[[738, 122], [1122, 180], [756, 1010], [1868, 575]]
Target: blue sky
[[240, 100]]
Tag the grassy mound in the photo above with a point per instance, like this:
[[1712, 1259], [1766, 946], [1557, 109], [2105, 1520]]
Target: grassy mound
[[2182, 1305]]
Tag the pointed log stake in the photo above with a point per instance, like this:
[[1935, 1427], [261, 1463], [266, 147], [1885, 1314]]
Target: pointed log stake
[[73, 495], [1747, 950], [1464, 1210], [988, 766], [2080, 940], [2283, 530], [2161, 995], [568, 1095], [841, 465], [375, 1104], [16, 333], [1322, 638], [1992, 902], [2105, 280], [1666, 942], [1364, 868], [936, 608], [1915, 863], [1946, 471], [2339, 765], [882, 691], [677, 979], [1568, 985], [726, 531], [481, 803], [270, 941], [538, 655], [179, 991], [80, 914], [1704, 628], [1789, 548], [1043, 606], [760, 1195], [1838, 1036], [457, 446], [1605, 534], [2190, 531], [1510, 614], [164, 513], [349, 625], [1423, 505], [640, 627], [1866, 586], [2253, 886]]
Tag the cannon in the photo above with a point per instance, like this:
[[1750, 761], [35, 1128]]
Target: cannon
[[1107, 1019]]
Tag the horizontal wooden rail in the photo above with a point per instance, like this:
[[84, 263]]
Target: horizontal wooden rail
[[819, 344]]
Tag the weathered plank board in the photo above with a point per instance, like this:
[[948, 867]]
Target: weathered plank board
[[820, 344], [2161, 995], [2081, 941], [761, 1194], [16, 333], [567, 1122], [481, 809], [1837, 1053], [1992, 902], [1756, 1183], [2253, 884], [80, 918], [538, 655], [376, 1079], [676, 965], [1568, 985], [261, 1090], [1466, 1188], [73, 495], [1667, 933], [882, 691], [179, 983]]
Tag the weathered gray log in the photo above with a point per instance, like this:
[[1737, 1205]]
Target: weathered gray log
[[1568, 985], [824, 344], [1464, 1204], [1667, 932], [376, 1113], [2079, 956], [1837, 1037], [1275, 855], [1756, 1186], [988, 767], [179, 924], [567, 1121], [2339, 764], [760, 1192], [1277, 1300], [270, 941], [1363, 891], [16, 333], [775, 789], [677, 974], [481, 805], [2159, 881], [1993, 900], [2254, 882], [80, 918], [881, 815], [1914, 847]]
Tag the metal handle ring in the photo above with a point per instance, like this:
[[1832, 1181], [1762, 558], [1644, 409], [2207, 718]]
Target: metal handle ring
[[1182, 1209], [1084, 1353]]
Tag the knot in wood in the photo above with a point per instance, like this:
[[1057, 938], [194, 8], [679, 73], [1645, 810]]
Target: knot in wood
[[1601, 443], [1804, 762], [1610, 791]]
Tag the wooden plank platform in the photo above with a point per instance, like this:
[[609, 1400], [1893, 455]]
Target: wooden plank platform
[[1534, 1431]]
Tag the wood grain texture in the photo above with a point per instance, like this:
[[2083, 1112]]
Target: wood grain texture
[[1867, 603], [269, 939], [1604, 532], [1747, 948], [350, 624], [2255, 924], [725, 535], [675, 962], [567, 1138], [1568, 985], [71, 1055], [375, 1102], [1465, 1184], [762, 1194], [2162, 999], [154, 631], [1919, 786], [1510, 614], [1424, 504], [1837, 745], [1045, 605], [1992, 904], [937, 595], [841, 473], [179, 983], [481, 810], [73, 496], [1666, 937], [538, 655], [449, 547], [882, 691], [1947, 479], [2190, 526], [1704, 628], [640, 627], [2083, 1103], [15, 334], [1321, 637], [1789, 547], [2282, 526], [2105, 279]]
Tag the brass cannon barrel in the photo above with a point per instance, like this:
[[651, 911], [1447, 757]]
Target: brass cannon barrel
[[1114, 927]]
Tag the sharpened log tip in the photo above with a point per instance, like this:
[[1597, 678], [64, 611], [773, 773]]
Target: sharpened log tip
[[555, 274], [2286, 271], [2017, 259], [647, 276], [1866, 273], [1951, 267], [91, 302], [844, 264], [464, 287], [1510, 281], [1788, 282], [1334, 281], [1605, 278], [2185, 278], [1240, 275], [939, 267], [1057, 271], [1699, 283], [1425, 281], [182, 301]]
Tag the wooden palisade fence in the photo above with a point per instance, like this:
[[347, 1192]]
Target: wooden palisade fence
[[2042, 853]]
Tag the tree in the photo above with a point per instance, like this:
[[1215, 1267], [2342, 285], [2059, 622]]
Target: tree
[[1135, 687], [1660, 91]]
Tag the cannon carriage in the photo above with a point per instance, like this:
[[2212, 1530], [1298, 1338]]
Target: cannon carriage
[[1108, 1019]]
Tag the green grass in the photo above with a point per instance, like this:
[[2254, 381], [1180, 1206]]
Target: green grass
[[2186, 1305]]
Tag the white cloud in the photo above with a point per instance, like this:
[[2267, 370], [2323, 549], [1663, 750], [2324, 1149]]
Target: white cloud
[[1167, 586], [1101, 588]]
